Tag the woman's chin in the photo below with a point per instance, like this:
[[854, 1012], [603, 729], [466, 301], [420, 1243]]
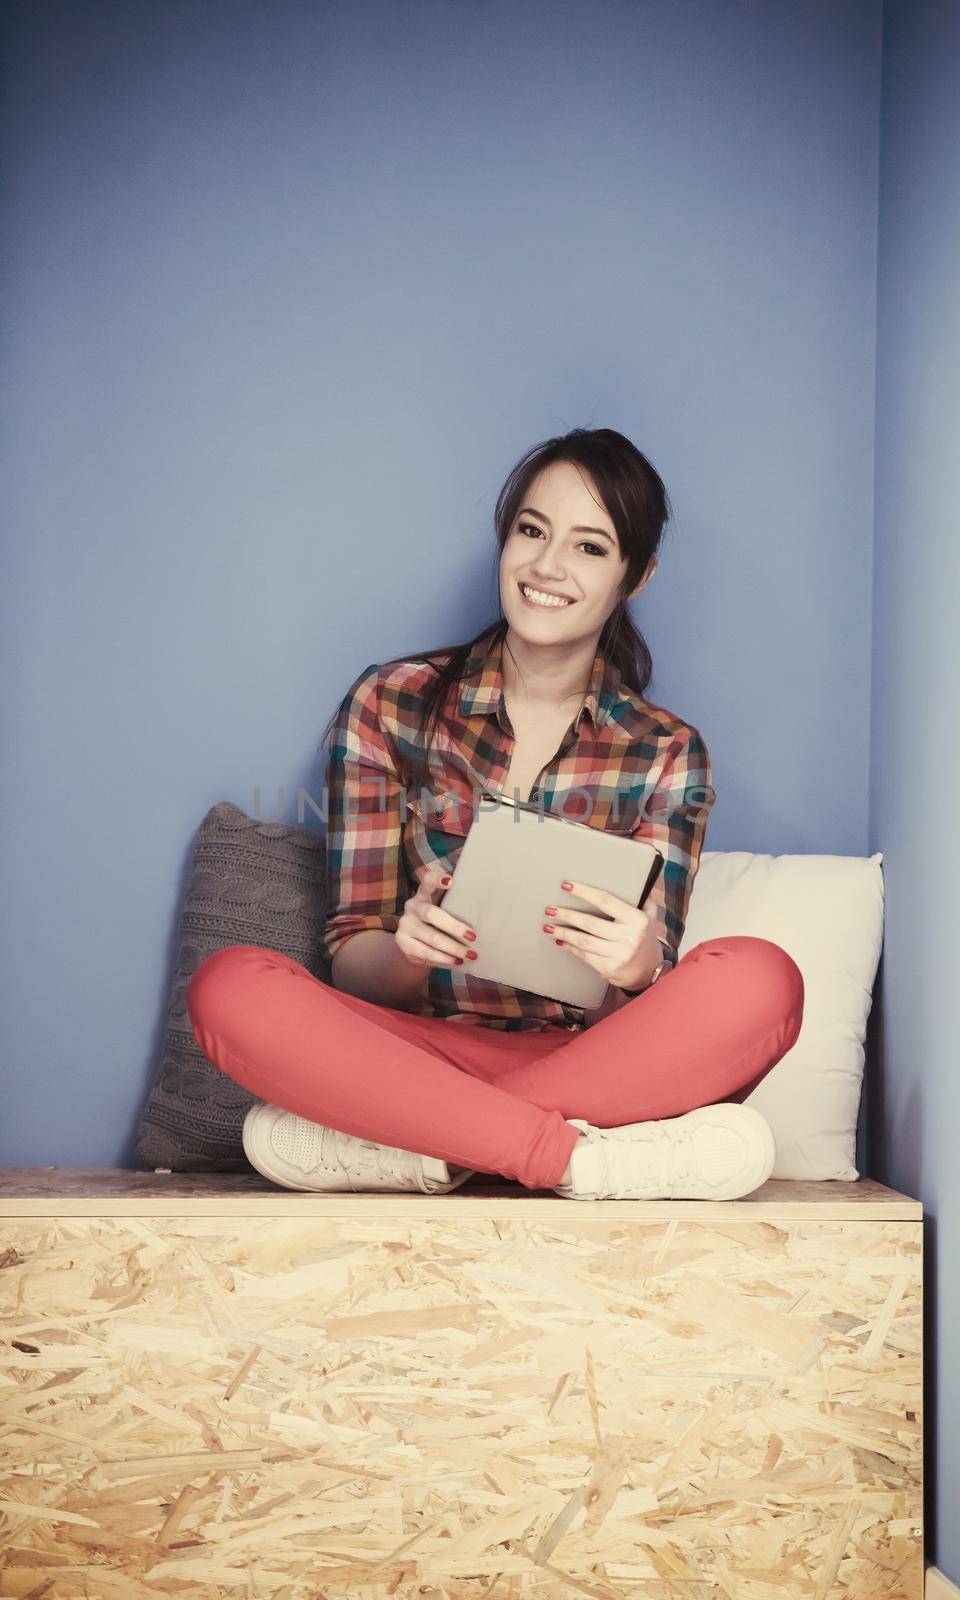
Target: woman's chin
[[534, 632]]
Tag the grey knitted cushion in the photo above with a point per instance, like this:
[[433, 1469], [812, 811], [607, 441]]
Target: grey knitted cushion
[[250, 882]]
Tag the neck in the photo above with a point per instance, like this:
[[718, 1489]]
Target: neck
[[547, 678]]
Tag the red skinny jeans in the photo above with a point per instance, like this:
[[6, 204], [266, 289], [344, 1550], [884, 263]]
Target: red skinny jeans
[[478, 1097]]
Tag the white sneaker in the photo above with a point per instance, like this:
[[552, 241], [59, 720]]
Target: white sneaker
[[299, 1154], [717, 1152]]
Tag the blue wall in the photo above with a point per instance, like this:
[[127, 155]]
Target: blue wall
[[914, 1100], [289, 287]]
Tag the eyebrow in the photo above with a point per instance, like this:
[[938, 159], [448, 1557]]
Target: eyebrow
[[533, 513]]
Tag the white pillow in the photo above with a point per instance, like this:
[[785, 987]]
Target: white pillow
[[827, 913]]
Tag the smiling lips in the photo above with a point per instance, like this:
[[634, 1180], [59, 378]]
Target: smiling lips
[[543, 597]]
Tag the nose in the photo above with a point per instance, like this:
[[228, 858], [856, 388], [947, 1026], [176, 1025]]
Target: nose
[[549, 572]]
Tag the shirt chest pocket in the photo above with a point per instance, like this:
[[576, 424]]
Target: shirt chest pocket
[[444, 817]]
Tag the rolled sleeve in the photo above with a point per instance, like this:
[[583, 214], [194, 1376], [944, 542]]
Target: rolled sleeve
[[674, 819], [366, 874]]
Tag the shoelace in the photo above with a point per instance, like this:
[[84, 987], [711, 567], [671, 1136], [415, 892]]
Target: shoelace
[[361, 1159], [674, 1160], [679, 1155], [309, 1145]]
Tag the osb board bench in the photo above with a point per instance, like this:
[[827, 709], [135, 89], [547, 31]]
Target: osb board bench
[[215, 1387]]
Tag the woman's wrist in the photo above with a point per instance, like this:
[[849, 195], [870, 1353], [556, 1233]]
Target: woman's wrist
[[654, 972], [616, 996]]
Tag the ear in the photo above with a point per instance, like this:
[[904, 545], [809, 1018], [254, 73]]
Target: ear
[[645, 579]]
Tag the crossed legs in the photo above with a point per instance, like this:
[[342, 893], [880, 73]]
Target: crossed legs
[[483, 1098]]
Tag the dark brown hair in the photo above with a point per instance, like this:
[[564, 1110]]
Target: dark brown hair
[[635, 498]]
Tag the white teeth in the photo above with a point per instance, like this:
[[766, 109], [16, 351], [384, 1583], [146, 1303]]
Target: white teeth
[[541, 599]]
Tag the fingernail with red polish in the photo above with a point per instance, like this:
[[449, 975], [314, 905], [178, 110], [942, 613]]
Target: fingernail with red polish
[[471, 955], [566, 885], [446, 879], [458, 960], [558, 941]]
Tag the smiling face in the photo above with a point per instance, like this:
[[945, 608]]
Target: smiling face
[[562, 543]]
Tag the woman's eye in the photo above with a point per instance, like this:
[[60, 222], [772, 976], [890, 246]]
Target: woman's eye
[[531, 527]]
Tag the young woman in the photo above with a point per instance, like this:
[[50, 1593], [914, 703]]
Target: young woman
[[406, 1072]]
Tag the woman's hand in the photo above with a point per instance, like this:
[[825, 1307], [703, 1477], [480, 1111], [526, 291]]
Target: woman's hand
[[427, 935], [625, 951]]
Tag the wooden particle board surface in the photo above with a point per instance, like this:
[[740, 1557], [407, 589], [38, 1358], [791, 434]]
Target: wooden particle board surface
[[213, 1387], [93, 1191]]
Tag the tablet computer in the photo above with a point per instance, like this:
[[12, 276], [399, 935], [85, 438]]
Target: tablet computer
[[510, 866]]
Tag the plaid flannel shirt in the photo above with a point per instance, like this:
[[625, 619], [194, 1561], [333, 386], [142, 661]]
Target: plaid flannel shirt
[[624, 765]]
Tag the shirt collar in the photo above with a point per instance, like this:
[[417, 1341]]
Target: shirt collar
[[482, 685]]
